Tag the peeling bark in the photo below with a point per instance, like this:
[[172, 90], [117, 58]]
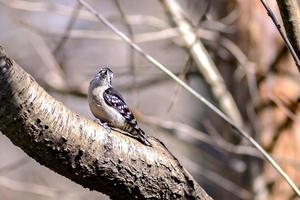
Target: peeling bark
[[82, 150]]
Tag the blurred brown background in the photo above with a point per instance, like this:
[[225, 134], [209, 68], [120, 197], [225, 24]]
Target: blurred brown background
[[62, 47]]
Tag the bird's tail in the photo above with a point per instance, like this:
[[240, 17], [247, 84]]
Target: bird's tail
[[142, 137]]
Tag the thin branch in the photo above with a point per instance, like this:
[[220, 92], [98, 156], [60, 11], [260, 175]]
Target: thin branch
[[131, 55], [290, 15], [66, 34], [190, 134], [273, 67], [220, 141], [83, 151], [285, 125], [165, 33], [248, 68], [55, 76], [235, 127], [64, 10], [283, 107], [203, 61], [182, 76], [282, 34], [218, 180]]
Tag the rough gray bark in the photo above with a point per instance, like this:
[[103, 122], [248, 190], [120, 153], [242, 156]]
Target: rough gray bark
[[289, 10], [83, 151]]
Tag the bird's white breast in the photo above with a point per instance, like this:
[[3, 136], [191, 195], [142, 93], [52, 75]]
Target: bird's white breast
[[101, 109]]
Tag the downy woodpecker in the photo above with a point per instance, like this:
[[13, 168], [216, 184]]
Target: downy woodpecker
[[108, 106]]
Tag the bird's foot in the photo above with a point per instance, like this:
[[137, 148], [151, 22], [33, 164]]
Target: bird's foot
[[104, 125]]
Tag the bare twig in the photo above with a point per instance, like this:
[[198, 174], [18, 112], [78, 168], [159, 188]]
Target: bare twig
[[66, 34], [65, 10], [194, 93], [272, 68], [290, 15], [191, 134], [283, 35], [131, 55], [247, 68], [182, 75], [238, 149], [218, 180], [203, 61], [55, 76], [284, 125], [166, 33], [281, 105]]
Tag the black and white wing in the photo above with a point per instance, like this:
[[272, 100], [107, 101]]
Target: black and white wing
[[114, 99]]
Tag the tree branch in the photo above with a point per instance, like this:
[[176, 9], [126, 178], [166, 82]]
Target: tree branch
[[203, 61], [289, 10], [282, 34], [82, 150]]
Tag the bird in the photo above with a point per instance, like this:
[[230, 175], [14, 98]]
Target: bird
[[110, 108]]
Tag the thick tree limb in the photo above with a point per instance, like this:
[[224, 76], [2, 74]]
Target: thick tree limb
[[289, 10], [83, 151], [293, 14]]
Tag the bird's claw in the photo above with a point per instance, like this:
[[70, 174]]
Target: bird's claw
[[103, 124]]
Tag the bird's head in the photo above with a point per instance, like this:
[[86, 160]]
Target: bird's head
[[104, 76]]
